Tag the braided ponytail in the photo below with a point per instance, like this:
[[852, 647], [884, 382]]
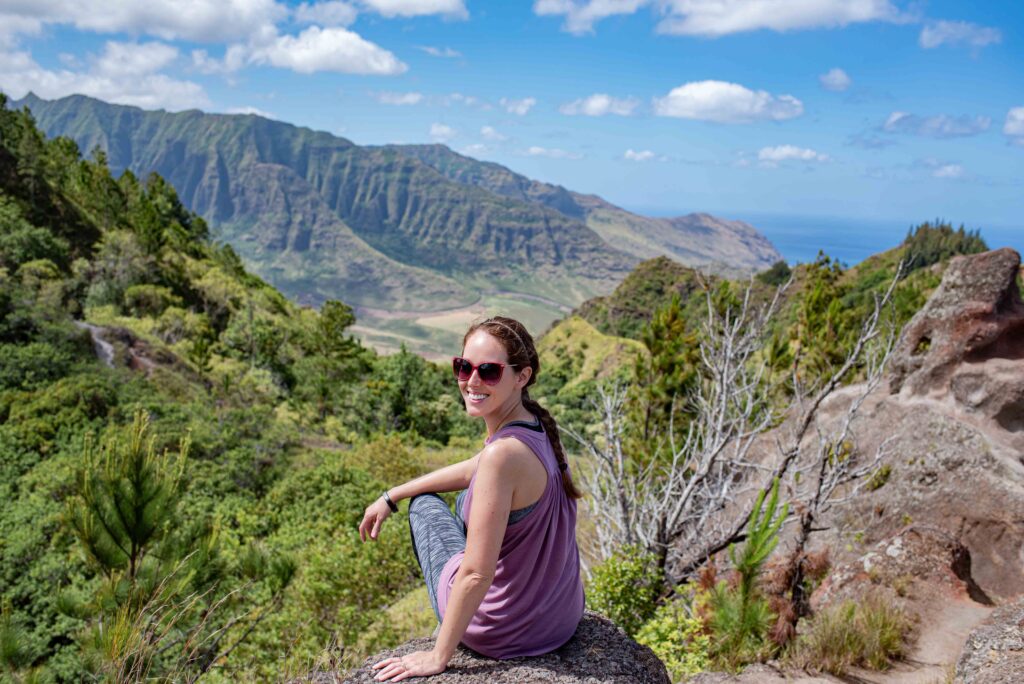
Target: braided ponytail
[[522, 352]]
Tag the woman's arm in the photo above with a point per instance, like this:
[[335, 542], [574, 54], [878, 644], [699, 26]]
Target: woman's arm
[[498, 472], [447, 479]]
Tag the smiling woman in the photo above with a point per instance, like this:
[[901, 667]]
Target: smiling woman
[[503, 571]]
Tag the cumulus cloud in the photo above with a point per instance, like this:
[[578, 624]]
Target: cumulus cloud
[[489, 133], [124, 73], [475, 150], [331, 13], [328, 49], [1014, 125], [400, 99], [441, 132], [949, 171], [446, 52], [517, 107], [771, 156], [938, 168], [713, 18], [936, 33], [552, 153], [836, 79], [641, 156], [454, 9], [724, 102], [209, 21], [941, 126], [599, 105], [581, 15]]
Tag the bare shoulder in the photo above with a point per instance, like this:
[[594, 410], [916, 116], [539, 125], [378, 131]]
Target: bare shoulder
[[506, 454]]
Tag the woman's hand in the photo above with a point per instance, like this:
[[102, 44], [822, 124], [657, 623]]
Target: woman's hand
[[375, 515], [417, 664]]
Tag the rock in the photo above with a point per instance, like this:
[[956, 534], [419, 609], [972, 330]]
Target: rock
[[599, 652], [994, 653], [975, 315]]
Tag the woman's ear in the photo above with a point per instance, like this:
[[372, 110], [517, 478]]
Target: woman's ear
[[523, 377]]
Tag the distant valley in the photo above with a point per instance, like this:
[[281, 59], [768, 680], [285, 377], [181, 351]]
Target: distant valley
[[418, 238]]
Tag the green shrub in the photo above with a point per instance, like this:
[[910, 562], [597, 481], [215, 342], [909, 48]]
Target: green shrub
[[625, 588], [677, 637], [149, 300], [27, 366], [870, 634]]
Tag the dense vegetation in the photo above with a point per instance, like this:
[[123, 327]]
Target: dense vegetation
[[270, 415], [143, 369]]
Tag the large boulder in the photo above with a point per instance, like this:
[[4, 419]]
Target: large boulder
[[994, 653], [967, 344], [598, 653]]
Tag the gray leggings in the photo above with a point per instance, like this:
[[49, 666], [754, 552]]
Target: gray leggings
[[438, 534]]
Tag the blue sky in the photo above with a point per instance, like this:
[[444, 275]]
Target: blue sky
[[873, 110]]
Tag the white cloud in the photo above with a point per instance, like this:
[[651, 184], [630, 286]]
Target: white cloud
[[641, 156], [1014, 125], [329, 49], [941, 126], [210, 21], [715, 18], [417, 8], [936, 33], [726, 103], [599, 105], [441, 132], [552, 153], [949, 171], [124, 73], [489, 133], [331, 13], [390, 98], [772, 155], [250, 110], [517, 107], [580, 15], [475, 150], [446, 52], [836, 79]]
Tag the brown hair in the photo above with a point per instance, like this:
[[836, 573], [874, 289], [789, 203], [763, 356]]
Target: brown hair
[[521, 352]]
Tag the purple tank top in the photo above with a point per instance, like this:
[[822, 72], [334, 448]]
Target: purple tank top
[[535, 602]]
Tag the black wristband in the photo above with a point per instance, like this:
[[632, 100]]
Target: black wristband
[[391, 504]]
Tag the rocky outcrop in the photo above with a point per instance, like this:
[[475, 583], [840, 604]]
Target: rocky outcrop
[[598, 653], [994, 653], [967, 343]]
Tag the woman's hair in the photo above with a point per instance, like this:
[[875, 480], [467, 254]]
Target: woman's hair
[[521, 353]]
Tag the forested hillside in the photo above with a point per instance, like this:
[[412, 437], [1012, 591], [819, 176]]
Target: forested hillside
[[271, 420]]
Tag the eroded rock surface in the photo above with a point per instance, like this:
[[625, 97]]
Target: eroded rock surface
[[994, 653], [598, 653], [967, 342]]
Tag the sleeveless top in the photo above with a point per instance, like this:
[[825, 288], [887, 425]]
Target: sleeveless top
[[535, 602]]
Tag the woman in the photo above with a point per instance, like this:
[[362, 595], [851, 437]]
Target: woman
[[503, 573]]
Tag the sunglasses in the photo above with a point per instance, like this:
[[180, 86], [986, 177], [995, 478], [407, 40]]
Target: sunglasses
[[489, 371]]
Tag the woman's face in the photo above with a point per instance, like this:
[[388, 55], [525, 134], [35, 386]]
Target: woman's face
[[482, 399]]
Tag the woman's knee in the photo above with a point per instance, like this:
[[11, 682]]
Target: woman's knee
[[422, 501]]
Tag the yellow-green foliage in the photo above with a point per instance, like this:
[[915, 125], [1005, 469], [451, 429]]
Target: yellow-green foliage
[[869, 634], [678, 638], [625, 588], [576, 349]]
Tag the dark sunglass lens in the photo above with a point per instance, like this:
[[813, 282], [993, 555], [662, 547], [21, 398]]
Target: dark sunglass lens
[[489, 372], [463, 369]]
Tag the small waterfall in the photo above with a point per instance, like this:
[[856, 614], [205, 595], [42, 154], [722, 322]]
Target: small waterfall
[[104, 350]]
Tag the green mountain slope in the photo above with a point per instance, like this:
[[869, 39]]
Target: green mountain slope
[[694, 239], [396, 205]]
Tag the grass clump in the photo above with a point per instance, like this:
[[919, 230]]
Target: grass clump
[[870, 634]]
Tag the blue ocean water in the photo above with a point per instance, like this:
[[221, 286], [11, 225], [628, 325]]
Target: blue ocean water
[[799, 238]]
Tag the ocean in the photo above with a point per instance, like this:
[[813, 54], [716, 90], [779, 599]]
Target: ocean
[[799, 238]]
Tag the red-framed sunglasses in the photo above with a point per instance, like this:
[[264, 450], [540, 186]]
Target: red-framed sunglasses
[[488, 371]]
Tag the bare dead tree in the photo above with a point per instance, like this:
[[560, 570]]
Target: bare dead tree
[[696, 501]]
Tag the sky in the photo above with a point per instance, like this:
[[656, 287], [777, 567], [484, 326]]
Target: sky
[[882, 111]]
